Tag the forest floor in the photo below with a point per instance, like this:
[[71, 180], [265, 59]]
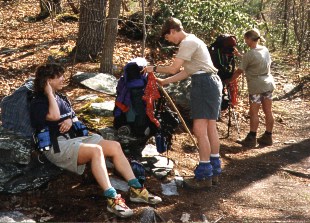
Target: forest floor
[[262, 184]]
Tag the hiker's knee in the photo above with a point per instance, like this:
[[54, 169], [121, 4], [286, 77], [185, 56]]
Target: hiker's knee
[[96, 151], [111, 148]]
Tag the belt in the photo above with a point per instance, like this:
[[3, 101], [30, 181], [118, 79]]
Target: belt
[[202, 73]]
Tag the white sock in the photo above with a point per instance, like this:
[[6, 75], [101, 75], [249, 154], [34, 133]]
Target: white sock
[[204, 161], [215, 155]]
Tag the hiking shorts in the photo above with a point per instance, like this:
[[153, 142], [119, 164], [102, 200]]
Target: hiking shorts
[[258, 98], [206, 96], [69, 150]]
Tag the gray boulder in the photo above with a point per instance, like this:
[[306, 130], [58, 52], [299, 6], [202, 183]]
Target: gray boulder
[[105, 83], [20, 168]]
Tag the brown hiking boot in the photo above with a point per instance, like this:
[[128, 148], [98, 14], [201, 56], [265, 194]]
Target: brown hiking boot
[[248, 141], [265, 140]]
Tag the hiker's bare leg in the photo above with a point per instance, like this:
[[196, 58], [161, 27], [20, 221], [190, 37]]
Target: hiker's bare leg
[[114, 150], [200, 129], [93, 153], [254, 119], [267, 108], [213, 137]]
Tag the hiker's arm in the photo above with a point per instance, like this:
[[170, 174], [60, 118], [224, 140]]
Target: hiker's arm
[[172, 69], [65, 125], [53, 113], [178, 77], [236, 74]]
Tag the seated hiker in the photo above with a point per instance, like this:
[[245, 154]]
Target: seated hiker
[[51, 109]]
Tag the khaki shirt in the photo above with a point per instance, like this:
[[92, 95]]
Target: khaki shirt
[[195, 54], [256, 65]]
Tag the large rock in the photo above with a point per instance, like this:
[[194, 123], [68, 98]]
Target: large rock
[[105, 83], [180, 94], [20, 169]]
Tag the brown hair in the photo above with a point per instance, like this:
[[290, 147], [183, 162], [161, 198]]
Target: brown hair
[[44, 72], [254, 35], [171, 23]]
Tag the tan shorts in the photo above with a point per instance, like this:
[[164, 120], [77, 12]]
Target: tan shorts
[[69, 150]]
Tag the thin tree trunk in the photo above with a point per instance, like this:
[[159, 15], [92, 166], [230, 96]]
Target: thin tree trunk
[[286, 22], [106, 63], [144, 28], [74, 9]]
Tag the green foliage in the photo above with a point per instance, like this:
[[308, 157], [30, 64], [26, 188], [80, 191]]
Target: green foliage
[[208, 19]]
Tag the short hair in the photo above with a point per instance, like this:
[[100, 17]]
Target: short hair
[[44, 72], [254, 35], [171, 23]]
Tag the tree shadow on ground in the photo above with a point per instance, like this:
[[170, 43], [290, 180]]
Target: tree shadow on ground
[[239, 174]]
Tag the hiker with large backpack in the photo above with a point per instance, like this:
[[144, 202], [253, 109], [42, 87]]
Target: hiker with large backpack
[[53, 113], [206, 88], [256, 65]]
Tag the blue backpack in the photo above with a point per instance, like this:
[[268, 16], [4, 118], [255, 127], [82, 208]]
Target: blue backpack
[[130, 109], [15, 110]]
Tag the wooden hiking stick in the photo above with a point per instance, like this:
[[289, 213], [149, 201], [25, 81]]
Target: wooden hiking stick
[[180, 116]]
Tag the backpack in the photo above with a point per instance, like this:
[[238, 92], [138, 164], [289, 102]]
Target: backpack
[[221, 52], [130, 109], [15, 116], [15, 110], [169, 121]]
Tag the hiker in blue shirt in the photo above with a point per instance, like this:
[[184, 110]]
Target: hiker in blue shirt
[[49, 108], [205, 97]]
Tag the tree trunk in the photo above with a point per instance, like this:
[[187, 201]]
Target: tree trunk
[[286, 23], [144, 28], [91, 29], [106, 63]]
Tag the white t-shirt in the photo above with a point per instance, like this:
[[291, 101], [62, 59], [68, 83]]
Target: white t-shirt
[[195, 54]]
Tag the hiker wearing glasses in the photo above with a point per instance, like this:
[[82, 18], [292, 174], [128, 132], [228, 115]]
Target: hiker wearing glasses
[[256, 65], [205, 95], [49, 108]]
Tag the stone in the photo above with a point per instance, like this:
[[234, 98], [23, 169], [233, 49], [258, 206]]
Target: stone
[[105, 83], [20, 169]]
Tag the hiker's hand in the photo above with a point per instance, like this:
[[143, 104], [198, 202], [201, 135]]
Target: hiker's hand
[[65, 125], [161, 81], [48, 89], [236, 52]]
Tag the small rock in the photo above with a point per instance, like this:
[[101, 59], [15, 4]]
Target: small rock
[[185, 217], [291, 141]]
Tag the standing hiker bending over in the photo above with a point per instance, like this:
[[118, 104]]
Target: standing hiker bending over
[[205, 93], [48, 108], [256, 65]]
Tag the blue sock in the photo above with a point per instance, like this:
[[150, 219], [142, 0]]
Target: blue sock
[[134, 183], [111, 192]]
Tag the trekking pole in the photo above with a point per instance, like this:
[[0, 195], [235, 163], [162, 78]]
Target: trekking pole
[[180, 116]]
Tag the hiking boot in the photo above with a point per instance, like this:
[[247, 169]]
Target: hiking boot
[[248, 141], [204, 171], [216, 166], [265, 140], [141, 195], [117, 206]]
